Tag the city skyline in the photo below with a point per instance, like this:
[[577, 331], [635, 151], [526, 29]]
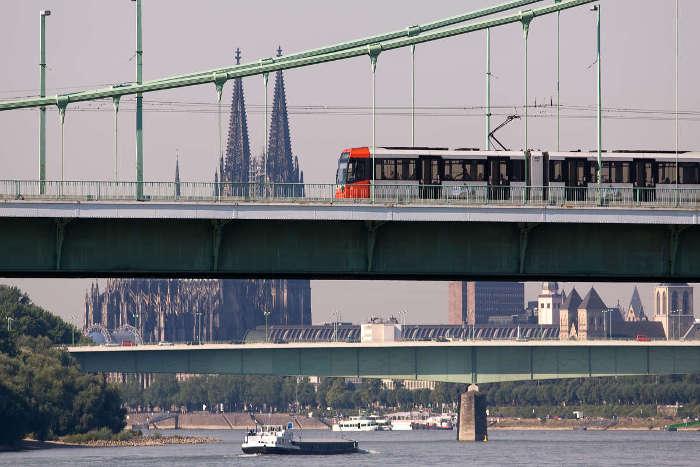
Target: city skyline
[[321, 128], [419, 298]]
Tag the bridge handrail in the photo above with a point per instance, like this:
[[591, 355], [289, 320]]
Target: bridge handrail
[[449, 194]]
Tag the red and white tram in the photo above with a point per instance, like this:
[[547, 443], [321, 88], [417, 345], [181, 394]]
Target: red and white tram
[[441, 172]]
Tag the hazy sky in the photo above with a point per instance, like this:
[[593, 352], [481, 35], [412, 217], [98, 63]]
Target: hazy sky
[[92, 43]]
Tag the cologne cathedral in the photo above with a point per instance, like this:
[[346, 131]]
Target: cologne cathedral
[[177, 310]]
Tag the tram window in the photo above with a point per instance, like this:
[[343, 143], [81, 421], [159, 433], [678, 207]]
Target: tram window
[[580, 173], [385, 169], [454, 170], [592, 171], [605, 174], [556, 171], [468, 171], [408, 169], [357, 170], [480, 171], [517, 171], [666, 172], [688, 173], [503, 171], [622, 173]]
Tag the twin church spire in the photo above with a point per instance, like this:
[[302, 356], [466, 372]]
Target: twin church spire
[[237, 165]]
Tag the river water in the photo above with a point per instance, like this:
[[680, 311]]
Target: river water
[[415, 448]]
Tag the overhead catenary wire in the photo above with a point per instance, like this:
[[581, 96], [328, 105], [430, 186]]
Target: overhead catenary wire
[[539, 111]]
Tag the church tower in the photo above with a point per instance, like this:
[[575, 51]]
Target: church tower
[[673, 307], [568, 316], [591, 316], [282, 166], [548, 304], [235, 168], [177, 175], [635, 311]]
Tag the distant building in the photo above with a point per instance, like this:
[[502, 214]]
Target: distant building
[[181, 310], [410, 384], [531, 311], [635, 310], [548, 303], [673, 308], [589, 318], [344, 332], [378, 330], [485, 302], [568, 316]]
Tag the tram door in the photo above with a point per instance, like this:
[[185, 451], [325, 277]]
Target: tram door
[[499, 182], [430, 177], [644, 180], [579, 176]]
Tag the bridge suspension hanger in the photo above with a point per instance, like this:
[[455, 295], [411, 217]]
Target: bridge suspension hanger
[[115, 103], [373, 51], [62, 104], [219, 82], [410, 32], [489, 133], [525, 19]]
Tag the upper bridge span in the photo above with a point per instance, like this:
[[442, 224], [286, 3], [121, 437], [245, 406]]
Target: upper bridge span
[[520, 239]]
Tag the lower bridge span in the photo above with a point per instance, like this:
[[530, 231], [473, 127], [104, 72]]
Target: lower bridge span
[[459, 362]]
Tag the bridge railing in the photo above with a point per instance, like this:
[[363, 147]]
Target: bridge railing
[[474, 194]]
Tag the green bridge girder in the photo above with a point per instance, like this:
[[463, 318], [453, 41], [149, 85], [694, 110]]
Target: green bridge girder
[[458, 362], [327, 248]]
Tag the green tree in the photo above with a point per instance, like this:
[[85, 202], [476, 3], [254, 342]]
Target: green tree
[[162, 392]]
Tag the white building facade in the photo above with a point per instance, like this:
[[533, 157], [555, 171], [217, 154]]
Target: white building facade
[[549, 303]]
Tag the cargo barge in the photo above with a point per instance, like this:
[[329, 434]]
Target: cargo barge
[[277, 439]]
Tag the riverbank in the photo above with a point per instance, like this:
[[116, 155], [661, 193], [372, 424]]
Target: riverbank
[[588, 424], [140, 441], [244, 420], [219, 420], [149, 441]]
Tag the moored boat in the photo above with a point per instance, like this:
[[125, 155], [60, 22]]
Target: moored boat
[[277, 439], [363, 423]]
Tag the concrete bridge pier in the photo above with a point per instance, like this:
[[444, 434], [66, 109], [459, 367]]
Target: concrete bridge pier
[[471, 422]]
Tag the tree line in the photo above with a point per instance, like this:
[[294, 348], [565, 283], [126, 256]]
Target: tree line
[[43, 393], [269, 393]]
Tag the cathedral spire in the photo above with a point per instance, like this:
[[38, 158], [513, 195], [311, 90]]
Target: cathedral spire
[[280, 161], [237, 160], [177, 172]]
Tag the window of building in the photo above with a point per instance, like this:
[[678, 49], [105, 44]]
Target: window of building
[[664, 303]]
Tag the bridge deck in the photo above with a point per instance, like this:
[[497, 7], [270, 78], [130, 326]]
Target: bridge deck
[[328, 240], [462, 361], [328, 211]]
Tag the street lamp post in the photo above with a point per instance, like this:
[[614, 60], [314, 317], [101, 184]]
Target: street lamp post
[[42, 93], [599, 100], [266, 313], [139, 104], [198, 327]]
